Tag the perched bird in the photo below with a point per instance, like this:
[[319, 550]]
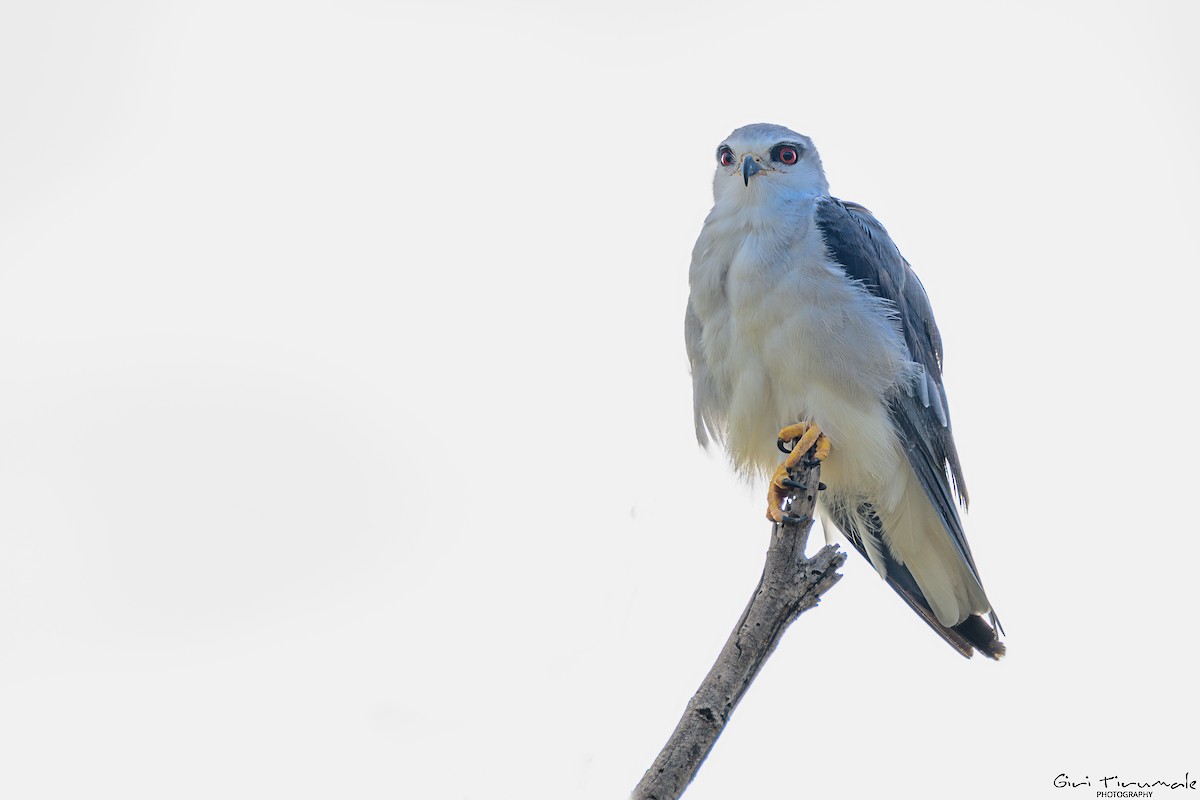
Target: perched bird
[[805, 323]]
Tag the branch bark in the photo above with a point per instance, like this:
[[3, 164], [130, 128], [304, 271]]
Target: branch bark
[[790, 585]]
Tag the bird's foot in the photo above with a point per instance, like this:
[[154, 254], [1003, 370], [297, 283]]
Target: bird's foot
[[804, 436]]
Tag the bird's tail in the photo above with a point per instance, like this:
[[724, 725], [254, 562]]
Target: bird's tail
[[973, 633]]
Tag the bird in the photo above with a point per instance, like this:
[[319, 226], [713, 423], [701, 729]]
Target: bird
[[805, 324]]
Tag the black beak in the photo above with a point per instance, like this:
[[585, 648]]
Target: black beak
[[750, 168]]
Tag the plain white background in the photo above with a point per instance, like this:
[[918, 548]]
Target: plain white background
[[345, 423]]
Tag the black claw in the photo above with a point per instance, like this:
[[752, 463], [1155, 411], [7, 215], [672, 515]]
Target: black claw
[[788, 519], [791, 484], [779, 443], [810, 462], [821, 487]]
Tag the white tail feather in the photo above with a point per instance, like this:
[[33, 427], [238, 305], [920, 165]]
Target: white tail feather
[[914, 533]]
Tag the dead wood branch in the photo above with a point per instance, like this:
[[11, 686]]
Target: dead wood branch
[[790, 584]]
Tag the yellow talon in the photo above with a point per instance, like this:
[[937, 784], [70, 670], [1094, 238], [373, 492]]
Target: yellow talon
[[806, 436]]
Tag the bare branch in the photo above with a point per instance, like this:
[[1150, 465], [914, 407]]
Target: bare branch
[[790, 584]]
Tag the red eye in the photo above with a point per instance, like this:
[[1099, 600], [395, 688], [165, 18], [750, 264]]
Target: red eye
[[788, 155], [725, 157]]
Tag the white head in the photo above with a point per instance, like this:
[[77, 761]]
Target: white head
[[761, 162]]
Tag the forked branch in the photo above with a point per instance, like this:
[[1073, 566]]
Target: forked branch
[[790, 585]]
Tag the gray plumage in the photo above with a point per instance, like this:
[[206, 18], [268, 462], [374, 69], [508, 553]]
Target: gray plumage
[[803, 309]]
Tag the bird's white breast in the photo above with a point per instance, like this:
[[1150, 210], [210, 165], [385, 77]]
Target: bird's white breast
[[786, 337]]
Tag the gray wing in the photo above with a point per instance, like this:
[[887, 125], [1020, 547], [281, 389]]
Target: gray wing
[[921, 415]]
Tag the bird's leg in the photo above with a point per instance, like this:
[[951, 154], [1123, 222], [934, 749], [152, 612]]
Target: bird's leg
[[805, 436]]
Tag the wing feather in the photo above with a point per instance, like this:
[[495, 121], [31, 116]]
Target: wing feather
[[861, 245]]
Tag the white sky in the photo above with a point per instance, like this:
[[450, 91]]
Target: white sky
[[345, 422]]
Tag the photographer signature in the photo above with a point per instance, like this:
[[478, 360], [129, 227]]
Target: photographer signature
[[1064, 781]]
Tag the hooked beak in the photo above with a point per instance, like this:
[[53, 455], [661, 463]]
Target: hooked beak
[[750, 168]]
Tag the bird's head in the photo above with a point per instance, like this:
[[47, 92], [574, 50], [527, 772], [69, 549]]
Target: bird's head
[[762, 161]]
